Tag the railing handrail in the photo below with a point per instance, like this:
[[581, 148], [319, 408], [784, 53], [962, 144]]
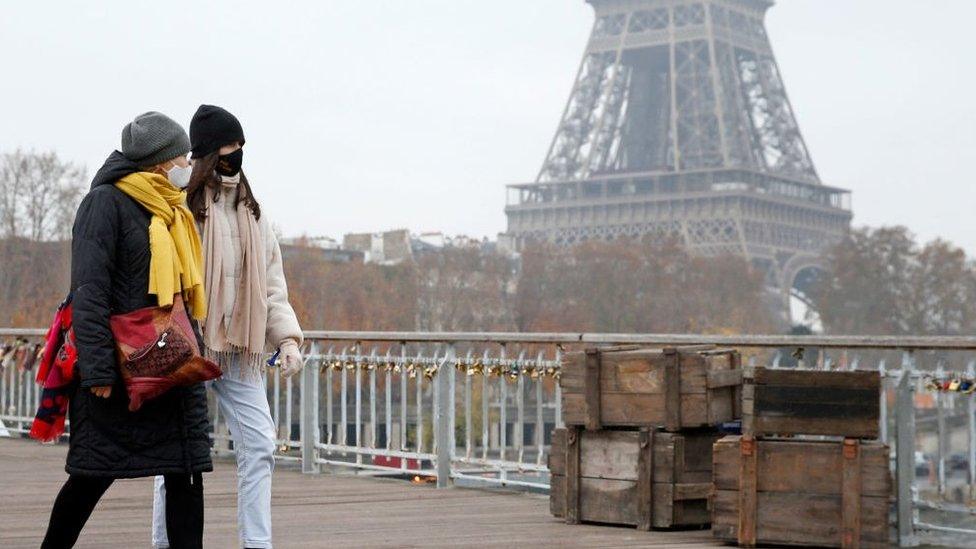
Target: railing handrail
[[958, 343], [22, 332], [947, 343]]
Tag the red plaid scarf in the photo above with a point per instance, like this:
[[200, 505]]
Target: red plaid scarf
[[55, 374]]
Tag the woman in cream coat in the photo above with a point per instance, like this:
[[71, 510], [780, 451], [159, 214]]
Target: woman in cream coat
[[249, 313]]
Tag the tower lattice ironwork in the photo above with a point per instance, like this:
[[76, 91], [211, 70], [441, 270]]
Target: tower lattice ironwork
[[679, 123]]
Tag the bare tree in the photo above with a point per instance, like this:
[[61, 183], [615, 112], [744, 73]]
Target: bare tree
[[13, 169], [38, 195]]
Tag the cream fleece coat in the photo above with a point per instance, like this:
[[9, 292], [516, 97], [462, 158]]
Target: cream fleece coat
[[282, 324]]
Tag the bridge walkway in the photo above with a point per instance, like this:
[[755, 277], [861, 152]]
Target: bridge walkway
[[309, 511]]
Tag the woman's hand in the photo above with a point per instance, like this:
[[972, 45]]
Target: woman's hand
[[291, 358], [103, 392]]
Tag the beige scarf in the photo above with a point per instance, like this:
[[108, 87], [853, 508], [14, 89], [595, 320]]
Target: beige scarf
[[243, 333]]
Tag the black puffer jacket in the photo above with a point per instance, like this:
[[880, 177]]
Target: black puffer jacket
[[110, 275]]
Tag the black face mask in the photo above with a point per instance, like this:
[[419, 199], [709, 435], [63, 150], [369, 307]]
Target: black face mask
[[230, 164]]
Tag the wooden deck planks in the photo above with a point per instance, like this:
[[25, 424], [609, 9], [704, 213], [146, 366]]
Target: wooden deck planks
[[310, 511]]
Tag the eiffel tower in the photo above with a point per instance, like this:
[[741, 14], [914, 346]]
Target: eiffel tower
[[678, 123]]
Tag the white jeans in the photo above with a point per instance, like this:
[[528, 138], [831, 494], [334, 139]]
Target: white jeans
[[244, 406]]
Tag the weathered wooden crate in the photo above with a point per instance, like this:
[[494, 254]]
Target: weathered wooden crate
[[639, 477], [675, 388], [811, 402], [793, 492]]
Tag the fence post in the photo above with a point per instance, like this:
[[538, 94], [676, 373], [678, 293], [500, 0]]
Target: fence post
[[971, 439], [310, 410], [905, 452], [443, 434], [883, 403], [941, 450]]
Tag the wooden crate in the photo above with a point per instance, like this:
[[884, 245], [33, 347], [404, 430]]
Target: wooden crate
[[639, 477], [811, 402], [793, 492], [670, 388]]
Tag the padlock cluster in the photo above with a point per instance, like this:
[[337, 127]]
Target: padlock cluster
[[428, 367], [20, 354], [950, 385]]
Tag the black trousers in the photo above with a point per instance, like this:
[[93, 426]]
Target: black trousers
[[80, 494]]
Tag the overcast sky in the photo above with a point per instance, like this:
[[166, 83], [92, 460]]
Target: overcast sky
[[364, 115]]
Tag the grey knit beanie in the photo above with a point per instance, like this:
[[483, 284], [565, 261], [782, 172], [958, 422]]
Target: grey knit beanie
[[153, 138]]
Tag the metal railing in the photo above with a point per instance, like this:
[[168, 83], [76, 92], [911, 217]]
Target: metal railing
[[19, 395], [468, 409], [478, 408]]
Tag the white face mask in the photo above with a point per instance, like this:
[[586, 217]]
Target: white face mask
[[179, 177]]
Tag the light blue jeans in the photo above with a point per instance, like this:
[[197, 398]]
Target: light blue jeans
[[244, 406]]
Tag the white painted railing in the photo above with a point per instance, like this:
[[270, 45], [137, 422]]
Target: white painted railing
[[463, 410]]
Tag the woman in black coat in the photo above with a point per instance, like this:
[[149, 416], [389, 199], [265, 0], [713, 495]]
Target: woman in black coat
[[110, 266]]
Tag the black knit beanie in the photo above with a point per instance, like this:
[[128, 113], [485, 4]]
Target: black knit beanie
[[211, 128]]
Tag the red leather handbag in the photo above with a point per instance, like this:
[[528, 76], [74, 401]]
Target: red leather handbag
[[158, 351]]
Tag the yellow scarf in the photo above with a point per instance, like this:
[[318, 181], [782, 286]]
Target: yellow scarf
[[176, 263]]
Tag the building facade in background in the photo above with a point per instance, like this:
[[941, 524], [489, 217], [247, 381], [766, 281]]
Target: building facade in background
[[400, 246], [679, 124]]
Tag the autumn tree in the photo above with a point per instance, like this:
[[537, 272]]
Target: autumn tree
[[881, 281], [464, 289], [349, 295], [637, 286]]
